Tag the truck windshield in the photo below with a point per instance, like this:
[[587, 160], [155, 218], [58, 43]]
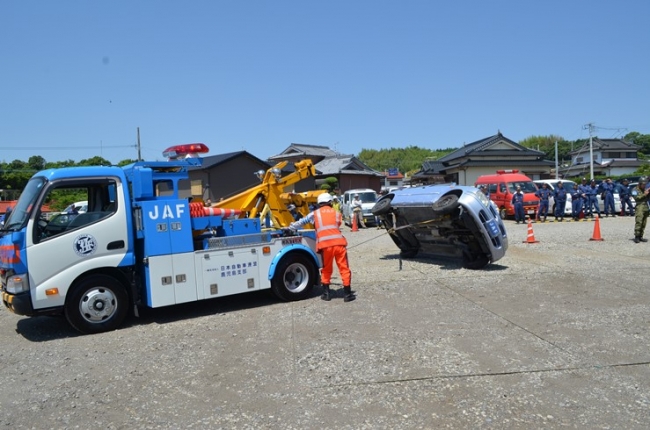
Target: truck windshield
[[368, 197], [526, 186], [20, 213]]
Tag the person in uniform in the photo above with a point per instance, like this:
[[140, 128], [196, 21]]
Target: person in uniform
[[576, 203], [518, 203], [626, 201], [641, 210], [543, 194], [592, 196], [330, 244], [584, 194], [608, 197], [559, 195], [336, 203]]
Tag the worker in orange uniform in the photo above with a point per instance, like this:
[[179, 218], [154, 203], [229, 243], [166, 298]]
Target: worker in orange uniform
[[331, 245]]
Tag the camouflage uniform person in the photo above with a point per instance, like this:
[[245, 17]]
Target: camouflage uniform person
[[640, 196]]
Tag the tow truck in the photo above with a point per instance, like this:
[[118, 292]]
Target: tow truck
[[139, 244]]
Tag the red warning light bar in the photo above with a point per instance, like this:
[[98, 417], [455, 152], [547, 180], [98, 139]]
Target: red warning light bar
[[188, 150]]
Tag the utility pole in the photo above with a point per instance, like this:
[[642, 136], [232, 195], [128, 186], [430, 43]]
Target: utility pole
[[591, 127], [557, 164], [139, 155]]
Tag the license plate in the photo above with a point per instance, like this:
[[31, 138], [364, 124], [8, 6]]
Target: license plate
[[493, 228], [531, 211]]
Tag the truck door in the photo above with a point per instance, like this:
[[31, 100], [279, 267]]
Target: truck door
[[61, 246]]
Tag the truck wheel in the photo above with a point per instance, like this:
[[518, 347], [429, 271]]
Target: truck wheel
[[97, 304], [445, 204], [294, 277], [502, 213]]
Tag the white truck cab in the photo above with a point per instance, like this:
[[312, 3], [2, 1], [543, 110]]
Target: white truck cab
[[368, 199]]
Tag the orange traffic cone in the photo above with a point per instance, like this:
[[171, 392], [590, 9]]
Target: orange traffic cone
[[531, 236], [596, 235], [355, 227]]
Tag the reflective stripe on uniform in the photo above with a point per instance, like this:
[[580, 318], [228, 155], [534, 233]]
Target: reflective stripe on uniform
[[327, 232]]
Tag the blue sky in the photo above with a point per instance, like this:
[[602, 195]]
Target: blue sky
[[79, 77]]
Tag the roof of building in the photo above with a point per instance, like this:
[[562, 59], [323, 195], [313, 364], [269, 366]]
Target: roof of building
[[347, 164], [606, 144], [214, 160], [303, 150], [480, 146]]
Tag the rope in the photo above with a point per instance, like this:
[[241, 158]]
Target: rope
[[392, 230]]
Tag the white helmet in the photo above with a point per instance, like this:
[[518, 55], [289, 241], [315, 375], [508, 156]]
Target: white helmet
[[324, 198]]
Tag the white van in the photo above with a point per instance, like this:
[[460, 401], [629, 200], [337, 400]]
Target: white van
[[368, 199], [552, 184]]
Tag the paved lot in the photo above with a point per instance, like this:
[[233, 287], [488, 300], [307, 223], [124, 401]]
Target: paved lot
[[552, 336]]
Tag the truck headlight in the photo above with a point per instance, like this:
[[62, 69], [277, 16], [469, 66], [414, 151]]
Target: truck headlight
[[17, 284]]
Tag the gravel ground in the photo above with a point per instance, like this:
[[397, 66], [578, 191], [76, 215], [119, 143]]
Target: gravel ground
[[554, 335]]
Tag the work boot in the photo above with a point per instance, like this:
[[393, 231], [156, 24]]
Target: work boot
[[348, 294], [326, 293], [643, 239], [637, 239]]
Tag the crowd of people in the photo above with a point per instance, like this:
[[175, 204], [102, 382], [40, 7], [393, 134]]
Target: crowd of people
[[584, 202]]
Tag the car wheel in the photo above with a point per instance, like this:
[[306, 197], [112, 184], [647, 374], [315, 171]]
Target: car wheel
[[382, 207], [502, 213], [408, 253], [445, 204], [294, 277], [97, 304], [475, 261]]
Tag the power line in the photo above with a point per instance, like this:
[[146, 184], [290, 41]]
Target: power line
[[56, 148]]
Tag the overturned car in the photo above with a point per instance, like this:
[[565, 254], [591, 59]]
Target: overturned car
[[444, 220]]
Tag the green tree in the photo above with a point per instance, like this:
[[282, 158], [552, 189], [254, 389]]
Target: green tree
[[639, 139], [36, 163], [405, 159], [95, 161], [332, 182], [546, 144]]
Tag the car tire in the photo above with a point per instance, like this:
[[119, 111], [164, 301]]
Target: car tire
[[445, 204], [475, 261], [382, 207]]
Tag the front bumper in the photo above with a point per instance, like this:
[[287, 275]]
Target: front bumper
[[20, 304]]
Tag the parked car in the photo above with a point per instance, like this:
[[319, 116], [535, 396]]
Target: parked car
[[77, 208], [502, 185], [368, 199], [445, 221]]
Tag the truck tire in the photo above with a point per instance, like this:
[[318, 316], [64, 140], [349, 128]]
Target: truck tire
[[503, 213], [445, 204], [97, 304], [294, 277]]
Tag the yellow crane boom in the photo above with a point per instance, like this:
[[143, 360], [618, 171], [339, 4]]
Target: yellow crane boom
[[270, 195]]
